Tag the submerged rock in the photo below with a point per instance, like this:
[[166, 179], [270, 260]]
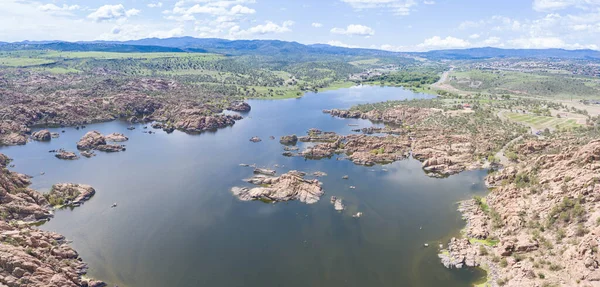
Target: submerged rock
[[291, 148], [264, 171], [337, 203], [289, 186], [319, 174], [110, 148], [87, 153]]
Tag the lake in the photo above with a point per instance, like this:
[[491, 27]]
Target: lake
[[177, 223]]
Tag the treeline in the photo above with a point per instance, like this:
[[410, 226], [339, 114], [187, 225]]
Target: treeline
[[406, 79]]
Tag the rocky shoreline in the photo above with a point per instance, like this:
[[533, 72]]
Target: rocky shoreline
[[423, 133], [539, 224], [31, 257], [22, 109]]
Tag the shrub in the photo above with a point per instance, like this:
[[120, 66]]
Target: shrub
[[482, 250]]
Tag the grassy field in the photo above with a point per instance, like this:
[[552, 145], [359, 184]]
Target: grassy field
[[542, 122], [423, 89], [113, 55], [365, 62], [552, 85], [23, 62]]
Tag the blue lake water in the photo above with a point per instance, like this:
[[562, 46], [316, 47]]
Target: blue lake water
[[177, 223]]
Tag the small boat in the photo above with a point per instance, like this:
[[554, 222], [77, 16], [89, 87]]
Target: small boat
[[113, 205]]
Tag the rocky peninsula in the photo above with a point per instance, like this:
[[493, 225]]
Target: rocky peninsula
[[28, 256], [73, 100], [539, 224], [446, 143]]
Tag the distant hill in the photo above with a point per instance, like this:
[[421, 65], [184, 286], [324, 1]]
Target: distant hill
[[256, 47], [97, 47], [488, 52], [289, 50]]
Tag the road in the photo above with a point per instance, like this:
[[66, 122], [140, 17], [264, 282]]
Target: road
[[500, 155]]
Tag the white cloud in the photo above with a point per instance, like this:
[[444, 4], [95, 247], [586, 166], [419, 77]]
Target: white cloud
[[239, 9], [547, 42], [537, 43], [215, 9], [112, 12], [207, 32], [267, 28], [428, 2], [437, 42], [356, 30], [474, 36], [155, 5], [555, 5], [175, 32], [392, 48], [398, 7], [56, 9], [132, 12], [317, 25], [492, 41], [341, 44]]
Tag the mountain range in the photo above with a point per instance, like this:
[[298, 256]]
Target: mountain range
[[286, 49]]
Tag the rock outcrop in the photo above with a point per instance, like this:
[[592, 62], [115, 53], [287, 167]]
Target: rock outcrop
[[17, 201], [239, 107], [69, 194], [91, 140], [94, 140], [110, 148], [66, 155], [30, 257], [196, 121], [288, 186], [543, 208], [288, 140], [12, 133], [338, 205], [116, 137], [43, 135]]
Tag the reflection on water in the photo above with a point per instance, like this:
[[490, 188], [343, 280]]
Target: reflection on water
[[177, 223]]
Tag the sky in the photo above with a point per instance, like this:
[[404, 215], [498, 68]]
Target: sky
[[395, 25]]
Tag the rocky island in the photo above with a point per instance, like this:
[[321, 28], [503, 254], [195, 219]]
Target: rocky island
[[288, 186]]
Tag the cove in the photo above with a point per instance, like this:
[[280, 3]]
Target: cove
[[177, 223]]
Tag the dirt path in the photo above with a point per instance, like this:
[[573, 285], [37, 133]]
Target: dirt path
[[442, 85], [500, 155]]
